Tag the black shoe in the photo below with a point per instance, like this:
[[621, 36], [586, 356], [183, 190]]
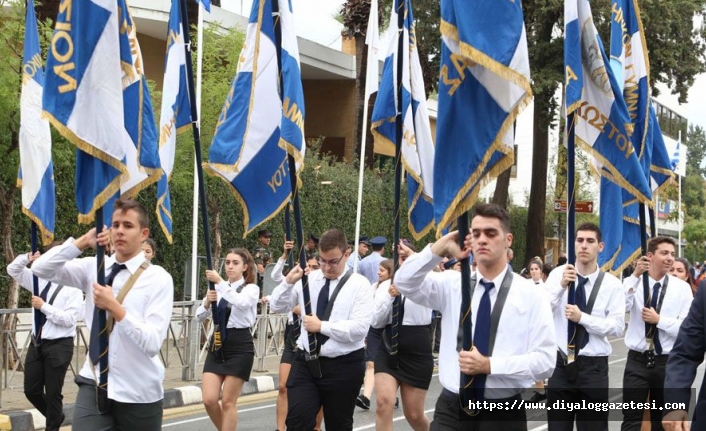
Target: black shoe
[[538, 396], [397, 403], [363, 402]]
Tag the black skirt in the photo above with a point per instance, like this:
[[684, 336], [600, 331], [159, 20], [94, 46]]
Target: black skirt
[[289, 344], [372, 343], [239, 352], [414, 356]]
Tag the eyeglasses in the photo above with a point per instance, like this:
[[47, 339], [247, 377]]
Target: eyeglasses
[[331, 263]]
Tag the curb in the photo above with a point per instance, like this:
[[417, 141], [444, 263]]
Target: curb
[[31, 420]]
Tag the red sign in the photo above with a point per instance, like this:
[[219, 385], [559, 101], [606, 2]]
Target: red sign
[[580, 206]]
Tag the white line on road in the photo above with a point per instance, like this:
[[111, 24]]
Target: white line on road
[[206, 417], [398, 418]]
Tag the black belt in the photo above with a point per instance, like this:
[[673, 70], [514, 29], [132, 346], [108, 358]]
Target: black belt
[[643, 356], [300, 355], [56, 340], [582, 358], [451, 396]]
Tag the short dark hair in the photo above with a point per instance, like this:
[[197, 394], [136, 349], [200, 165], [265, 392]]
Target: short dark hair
[[125, 205], [547, 268], [249, 273], [591, 227], [333, 238], [653, 243], [494, 211], [151, 243]]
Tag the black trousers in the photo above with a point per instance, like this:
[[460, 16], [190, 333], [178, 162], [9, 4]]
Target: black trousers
[[448, 414], [336, 391], [122, 416], [591, 385], [45, 370], [639, 382]]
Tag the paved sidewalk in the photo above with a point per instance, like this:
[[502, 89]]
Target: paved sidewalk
[[177, 393]]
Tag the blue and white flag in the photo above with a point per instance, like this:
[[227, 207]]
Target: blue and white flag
[[83, 99], [601, 120], [258, 124], [661, 165], [417, 145], [483, 86], [676, 156], [630, 64], [175, 116], [206, 4], [36, 167], [142, 157]]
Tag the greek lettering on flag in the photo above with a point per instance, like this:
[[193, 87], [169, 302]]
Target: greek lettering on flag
[[142, 157], [417, 146], [175, 115], [83, 99], [601, 120], [257, 126], [630, 64], [36, 168], [483, 86]]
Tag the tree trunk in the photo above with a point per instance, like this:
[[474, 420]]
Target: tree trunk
[[538, 191], [502, 189], [7, 199]]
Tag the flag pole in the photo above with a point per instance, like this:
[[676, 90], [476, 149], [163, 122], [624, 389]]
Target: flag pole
[[312, 337], [35, 280], [678, 171], [361, 177], [195, 203], [199, 168], [571, 222], [394, 329]]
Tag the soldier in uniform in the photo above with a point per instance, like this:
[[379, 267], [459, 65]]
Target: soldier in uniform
[[262, 254]]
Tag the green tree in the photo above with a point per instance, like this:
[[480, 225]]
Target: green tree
[[693, 194]]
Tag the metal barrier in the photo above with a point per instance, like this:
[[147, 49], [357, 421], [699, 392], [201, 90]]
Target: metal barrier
[[184, 346]]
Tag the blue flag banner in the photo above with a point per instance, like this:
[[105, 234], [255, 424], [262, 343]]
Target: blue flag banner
[[142, 157], [83, 99], [662, 166], [36, 175], [175, 115], [602, 121], [483, 86], [417, 145], [676, 157], [258, 125], [206, 4]]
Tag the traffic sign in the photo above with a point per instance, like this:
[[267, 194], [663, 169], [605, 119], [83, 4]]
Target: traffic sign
[[581, 206]]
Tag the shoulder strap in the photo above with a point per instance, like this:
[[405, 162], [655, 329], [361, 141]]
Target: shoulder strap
[[594, 292], [56, 292], [125, 290], [329, 307]]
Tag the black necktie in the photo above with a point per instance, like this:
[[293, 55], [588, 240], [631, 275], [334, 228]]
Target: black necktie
[[321, 305], [224, 314], [653, 304], [581, 303], [481, 336], [98, 331], [42, 317]]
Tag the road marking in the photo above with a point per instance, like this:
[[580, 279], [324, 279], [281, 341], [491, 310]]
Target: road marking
[[206, 417], [398, 418], [617, 360]]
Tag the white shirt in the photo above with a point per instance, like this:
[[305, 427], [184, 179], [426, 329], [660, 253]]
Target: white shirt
[[607, 316], [278, 277], [243, 305], [63, 314], [350, 318], [136, 372], [369, 265], [414, 314], [675, 307], [525, 344]]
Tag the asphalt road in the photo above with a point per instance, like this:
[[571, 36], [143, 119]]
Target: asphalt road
[[258, 412]]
